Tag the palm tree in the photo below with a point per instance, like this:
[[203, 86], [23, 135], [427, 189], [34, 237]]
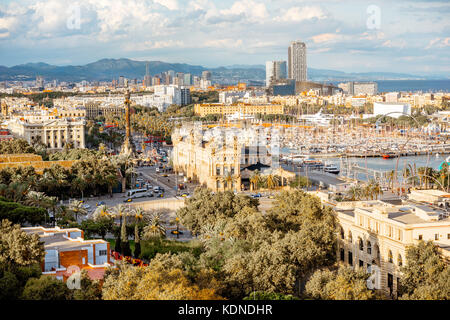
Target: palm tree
[[355, 193], [272, 181], [255, 180], [155, 229], [391, 179], [228, 181], [120, 211], [111, 182], [376, 189], [79, 184], [138, 215], [35, 199], [101, 212], [77, 208]]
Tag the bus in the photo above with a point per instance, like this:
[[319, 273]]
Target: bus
[[138, 193]]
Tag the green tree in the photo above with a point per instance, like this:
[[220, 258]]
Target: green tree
[[205, 208], [46, 288], [89, 289], [341, 284], [425, 276], [17, 247]]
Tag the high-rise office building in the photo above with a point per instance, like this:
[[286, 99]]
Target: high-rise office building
[[121, 81], [185, 96], [187, 79], [275, 70], [147, 77], [206, 75], [297, 68], [40, 81]]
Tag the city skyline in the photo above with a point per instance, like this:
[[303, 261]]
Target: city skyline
[[353, 37]]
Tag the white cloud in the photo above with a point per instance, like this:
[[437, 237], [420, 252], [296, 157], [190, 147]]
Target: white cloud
[[394, 44], [327, 37], [148, 45], [438, 43], [224, 43], [298, 14], [169, 4]]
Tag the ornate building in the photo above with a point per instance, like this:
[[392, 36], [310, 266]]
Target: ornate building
[[54, 134], [213, 164], [374, 236]]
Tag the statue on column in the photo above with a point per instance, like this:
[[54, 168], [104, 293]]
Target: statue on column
[[128, 147]]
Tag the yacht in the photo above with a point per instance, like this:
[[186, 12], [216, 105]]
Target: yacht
[[331, 168], [319, 118]]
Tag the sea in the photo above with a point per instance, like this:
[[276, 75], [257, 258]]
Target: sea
[[413, 85], [385, 165]]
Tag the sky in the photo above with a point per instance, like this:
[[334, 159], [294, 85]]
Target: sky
[[406, 36]]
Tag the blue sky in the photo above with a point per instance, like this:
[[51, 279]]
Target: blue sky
[[412, 36]]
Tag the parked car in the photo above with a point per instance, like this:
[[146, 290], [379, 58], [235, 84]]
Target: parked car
[[185, 194], [257, 195], [128, 200], [101, 203]]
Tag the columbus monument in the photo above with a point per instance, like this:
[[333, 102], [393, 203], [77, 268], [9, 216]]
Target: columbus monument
[[128, 147]]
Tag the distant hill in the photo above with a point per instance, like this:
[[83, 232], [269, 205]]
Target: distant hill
[[108, 69]]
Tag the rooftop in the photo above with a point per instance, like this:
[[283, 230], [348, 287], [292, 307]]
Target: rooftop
[[56, 238]]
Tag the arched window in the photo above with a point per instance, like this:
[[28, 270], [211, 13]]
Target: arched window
[[369, 247], [361, 244], [400, 260], [350, 238], [390, 258]]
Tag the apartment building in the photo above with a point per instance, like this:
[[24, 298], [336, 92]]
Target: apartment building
[[374, 236], [66, 251], [241, 108]]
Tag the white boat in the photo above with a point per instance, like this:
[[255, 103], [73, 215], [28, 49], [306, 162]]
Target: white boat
[[318, 118], [331, 168]]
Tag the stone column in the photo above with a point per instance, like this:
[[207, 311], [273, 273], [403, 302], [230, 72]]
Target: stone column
[[52, 139], [59, 139]]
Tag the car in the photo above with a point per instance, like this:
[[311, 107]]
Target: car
[[86, 206], [161, 195], [128, 200], [165, 175], [157, 169], [257, 195], [184, 194], [101, 203], [271, 196]]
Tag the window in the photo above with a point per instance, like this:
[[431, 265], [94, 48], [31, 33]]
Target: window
[[436, 236], [361, 264], [390, 258], [350, 238], [369, 247], [343, 237], [350, 258], [400, 260], [217, 171], [342, 254], [448, 236], [420, 237], [361, 244], [102, 252]]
